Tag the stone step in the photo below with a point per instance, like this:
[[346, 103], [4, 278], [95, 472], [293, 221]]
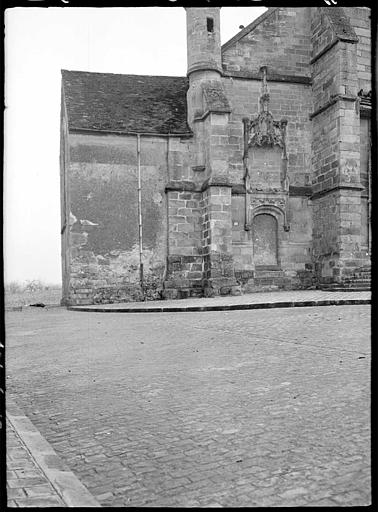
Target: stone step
[[280, 280], [362, 272], [356, 282], [351, 289]]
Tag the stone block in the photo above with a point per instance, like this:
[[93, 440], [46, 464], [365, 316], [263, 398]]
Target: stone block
[[185, 195], [194, 275], [178, 203], [79, 301], [235, 290], [170, 293], [186, 228], [192, 204]]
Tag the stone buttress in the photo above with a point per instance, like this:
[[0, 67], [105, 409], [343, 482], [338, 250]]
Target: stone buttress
[[207, 267]]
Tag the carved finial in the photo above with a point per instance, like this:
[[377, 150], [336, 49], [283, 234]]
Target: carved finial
[[264, 70], [263, 130], [264, 97]]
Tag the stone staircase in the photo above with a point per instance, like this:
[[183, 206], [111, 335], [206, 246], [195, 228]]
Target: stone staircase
[[359, 281]]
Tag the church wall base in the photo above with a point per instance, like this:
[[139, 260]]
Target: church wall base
[[215, 287], [265, 280]]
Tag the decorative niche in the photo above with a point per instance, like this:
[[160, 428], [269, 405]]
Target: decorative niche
[[265, 158]]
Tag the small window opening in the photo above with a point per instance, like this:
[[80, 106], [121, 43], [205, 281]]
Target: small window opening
[[210, 24]]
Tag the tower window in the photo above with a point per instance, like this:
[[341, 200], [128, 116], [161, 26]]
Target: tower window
[[210, 24]]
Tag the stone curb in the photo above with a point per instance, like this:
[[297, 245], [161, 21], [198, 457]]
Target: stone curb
[[221, 307], [65, 483]]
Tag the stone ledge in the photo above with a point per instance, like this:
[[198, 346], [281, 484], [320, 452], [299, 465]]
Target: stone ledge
[[237, 188], [332, 101], [182, 186], [321, 193], [300, 191], [272, 77], [323, 51], [189, 186]]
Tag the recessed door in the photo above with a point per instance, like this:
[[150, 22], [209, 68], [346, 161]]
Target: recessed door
[[264, 234]]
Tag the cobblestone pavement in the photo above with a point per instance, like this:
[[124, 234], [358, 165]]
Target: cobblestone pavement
[[27, 485], [234, 408]]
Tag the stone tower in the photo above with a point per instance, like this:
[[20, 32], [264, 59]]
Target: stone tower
[[208, 117], [203, 39], [203, 53]]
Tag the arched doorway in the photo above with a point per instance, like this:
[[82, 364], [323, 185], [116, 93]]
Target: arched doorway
[[265, 246]]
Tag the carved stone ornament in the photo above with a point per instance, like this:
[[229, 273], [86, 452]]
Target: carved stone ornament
[[263, 130], [262, 189], [364, 97], [215, 97], [278, 202]]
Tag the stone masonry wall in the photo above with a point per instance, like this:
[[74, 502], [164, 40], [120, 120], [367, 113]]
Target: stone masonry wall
[[185, 262], [242, 245], [281, 42], [287, 100], [364, 176], [193, 210], [104, 251], [294, 246], [338, 213], [360, 19], [64, 201], [336, 155], [326, 73], [325, 159], [291, 101], [217, 242], [265, 167], [217, 126], [353, 253], [297, 250], [322, 32]]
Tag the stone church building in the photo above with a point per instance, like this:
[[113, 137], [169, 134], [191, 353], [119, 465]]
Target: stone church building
[[251, 173]]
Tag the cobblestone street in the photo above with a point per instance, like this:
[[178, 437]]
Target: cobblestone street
[[233, 408], [27, 485]]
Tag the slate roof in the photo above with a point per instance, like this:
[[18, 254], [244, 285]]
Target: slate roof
[[125, 103]]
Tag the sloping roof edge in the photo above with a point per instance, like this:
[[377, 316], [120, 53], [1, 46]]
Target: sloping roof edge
[[65, 71], [248, 28], [340, 24]]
